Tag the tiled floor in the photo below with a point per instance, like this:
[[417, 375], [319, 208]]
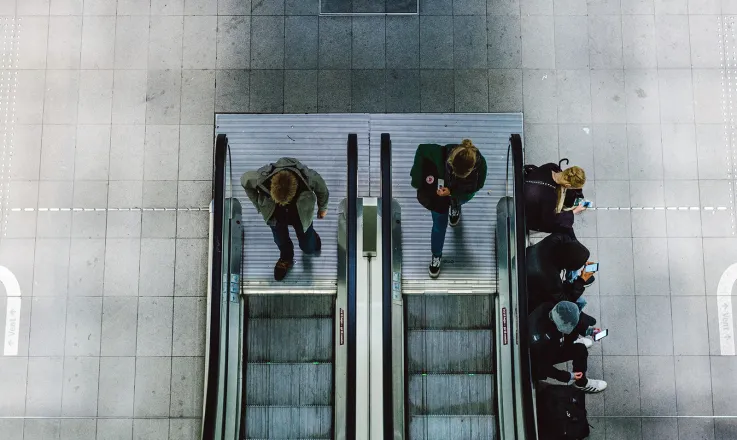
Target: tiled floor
[[109, 104]]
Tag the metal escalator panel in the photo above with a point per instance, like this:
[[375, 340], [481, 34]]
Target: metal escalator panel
[[319, 142], [289, 370], [450, 367]]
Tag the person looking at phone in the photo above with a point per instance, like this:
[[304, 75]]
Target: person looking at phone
[[548, 261], [446, 177], [553, 196], [553, 332]]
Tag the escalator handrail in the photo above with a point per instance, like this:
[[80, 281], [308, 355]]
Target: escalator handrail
[[351, 283], [386, 259], [525, 381], [209, 415]]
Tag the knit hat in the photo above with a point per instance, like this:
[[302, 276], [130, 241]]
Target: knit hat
[[565, 315], [571, 255]]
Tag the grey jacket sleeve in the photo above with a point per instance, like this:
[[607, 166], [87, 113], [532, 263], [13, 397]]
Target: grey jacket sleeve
[[319, 187], [249, 180]]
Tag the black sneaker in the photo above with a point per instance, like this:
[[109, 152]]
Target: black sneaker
[[455, 214], [434, 269], [281, 268]]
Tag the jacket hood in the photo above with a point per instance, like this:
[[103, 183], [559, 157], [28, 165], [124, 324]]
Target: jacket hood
[[570, 255]]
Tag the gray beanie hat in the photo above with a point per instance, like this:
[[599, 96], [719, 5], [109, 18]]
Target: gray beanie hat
[[565, 315]]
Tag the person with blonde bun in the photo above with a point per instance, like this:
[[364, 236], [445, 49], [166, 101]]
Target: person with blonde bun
[[446, 177], [550, 197]]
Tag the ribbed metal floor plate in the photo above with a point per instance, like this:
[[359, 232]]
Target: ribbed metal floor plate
[[452, 427], [302, 384], [451, 394], [288, 422]]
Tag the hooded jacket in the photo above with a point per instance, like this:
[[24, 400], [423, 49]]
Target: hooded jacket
[[545, 261], [257, 190], [546, 342], [541, 198]]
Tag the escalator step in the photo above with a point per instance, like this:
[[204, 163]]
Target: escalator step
[[288, 422], [289, 384], [449, 351], [451, 394], [290, 306], [448, 311], [452, 427], [290, 340]]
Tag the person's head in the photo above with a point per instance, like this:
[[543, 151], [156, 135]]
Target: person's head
[[283, 187], [570, 178], [571, 255], [462, 159], [565, 315]]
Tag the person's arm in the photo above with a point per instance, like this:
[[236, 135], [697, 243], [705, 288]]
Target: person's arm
[[319, 187], [482, 172], [248, 182], [559, 375], [572, 291], [416, 173]]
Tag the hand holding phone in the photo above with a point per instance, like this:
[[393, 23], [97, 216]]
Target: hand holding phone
[[591, 267], [601, 334]]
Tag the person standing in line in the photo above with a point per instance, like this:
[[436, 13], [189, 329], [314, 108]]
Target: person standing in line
[[550, 197], [285, 194], [446, 177]]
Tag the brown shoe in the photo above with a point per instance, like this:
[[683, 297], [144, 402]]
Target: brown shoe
[[281, 268]]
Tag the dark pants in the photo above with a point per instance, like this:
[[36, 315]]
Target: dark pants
[[307, 239], [576, 353], [439, 226]]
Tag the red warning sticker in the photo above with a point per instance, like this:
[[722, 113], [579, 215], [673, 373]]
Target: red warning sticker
[[505, 335], [341, 330]]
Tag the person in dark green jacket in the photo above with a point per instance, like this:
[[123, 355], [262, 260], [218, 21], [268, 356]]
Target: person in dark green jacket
[[446, 177]]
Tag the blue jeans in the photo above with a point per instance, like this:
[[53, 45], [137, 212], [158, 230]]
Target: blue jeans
[[307, 239], [439, 226]]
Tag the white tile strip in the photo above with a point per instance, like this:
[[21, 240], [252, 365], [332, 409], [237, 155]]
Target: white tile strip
[[12, 314], [724, 310]]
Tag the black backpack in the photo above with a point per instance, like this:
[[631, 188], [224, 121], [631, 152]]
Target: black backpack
[[561, 413]]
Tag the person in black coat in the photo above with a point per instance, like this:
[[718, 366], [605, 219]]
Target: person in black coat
[[550, 195], [546, 260], [553, 332]]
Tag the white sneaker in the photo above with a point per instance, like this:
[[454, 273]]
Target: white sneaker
[[592, 386], [585, 341], [434, 268]]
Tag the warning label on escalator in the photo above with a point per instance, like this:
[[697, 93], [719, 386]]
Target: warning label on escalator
[[505, 336], [341, 330]]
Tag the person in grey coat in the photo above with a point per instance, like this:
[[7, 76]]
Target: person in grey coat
[[285, 194]]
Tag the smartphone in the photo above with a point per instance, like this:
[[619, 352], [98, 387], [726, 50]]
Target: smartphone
[[601, 335], [441, 183], [593, 267], [582, 202], [587, 203]]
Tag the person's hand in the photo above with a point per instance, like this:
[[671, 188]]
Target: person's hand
[[586, 275], [322, 214], [579, 209], [577, 375], [443, 192], [594, 331]]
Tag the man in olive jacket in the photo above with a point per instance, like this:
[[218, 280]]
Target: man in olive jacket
[[285, 194]]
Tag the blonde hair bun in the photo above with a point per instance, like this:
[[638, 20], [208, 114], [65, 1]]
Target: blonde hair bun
[[462, 159]]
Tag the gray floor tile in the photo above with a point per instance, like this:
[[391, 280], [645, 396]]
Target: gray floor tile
[[535, 7], [26, 160], [704, 52], [335, 43], [116, 429], [571, 42], [95, 96], [436, 46], [186, 386], [301, 44], [14, 379], [129, 96], [33, 7], [505, 90], [194, 144], [674, 49], [719, 253], [607, 96], [693, 390], [402, 42], [469, 42], [231, 92], [723, 371], [11, 428], [84, 315], [131, 42], [623, 429], [300, 91], [469, 7], [605, 41], [35, 40], [189, 326], [704, 7], [90, 224], [701, 429], [119, 324], [127, 152], [153, 429], [541, 143], [691, 335], [472, 90], [333, 91], [200, 42], [403, 91], [645, 152], [619, 311], [716, 193], [671, 6], [157, 267], [79, 392], [657, 428], [640, 45], [504, 41], [57, 194], [613, 223], [267, 42], [368, 91], [301, 7], [676, 95], [574, 96], [437, 90], [125, 194], [610, 152], [194, 193], [163, 96], [61, 97], [117, 379], [184, 429], [154, 333], [40, 429], [725, 429], [712, 149], [622, 396], [18, 256], [648, 222], [30, 96], [92, 154], [100, 7], [171, 7], [707, 93], [369, 45], [436, 7], [603, 7], [160, 152], [153, 386], [651, 266], [268, 7], [158, 224], [51, 267], [78, 429], [643, 102], [165, 43], [121, 267], [679, 151], [134, 7], [654, 326], [65, 42], [637, 7], [200, 7], [539, 91], [234, 42], [657, 391], [123, 224], [570, 7], [45, 378], [686, 262], [22, 224], [191, 257], [538, 42], [682, 193], [193, 224], [267, 91], [57, 152]]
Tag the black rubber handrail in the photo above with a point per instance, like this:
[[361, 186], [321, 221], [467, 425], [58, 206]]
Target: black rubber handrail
[[351, 282], [209, 416], [528, 411], [386, 259]]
